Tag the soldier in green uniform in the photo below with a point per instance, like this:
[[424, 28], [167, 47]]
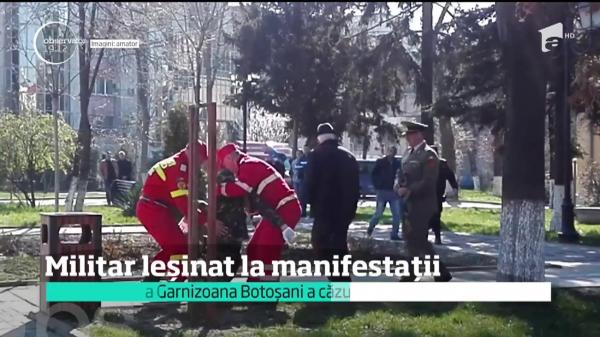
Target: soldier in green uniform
[[418, 187]]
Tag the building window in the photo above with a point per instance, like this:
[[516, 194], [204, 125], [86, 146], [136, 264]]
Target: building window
[[100, 83], [105, 87]]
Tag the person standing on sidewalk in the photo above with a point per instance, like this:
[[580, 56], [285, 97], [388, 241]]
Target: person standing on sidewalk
[[383, 176], [446, 174], [332, 189], [125, 167], [418, 187], [108, 170]]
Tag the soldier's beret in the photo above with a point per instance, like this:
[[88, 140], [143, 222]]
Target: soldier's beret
[[413, 127]]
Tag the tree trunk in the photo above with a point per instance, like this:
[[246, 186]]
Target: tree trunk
[[87, 79], [520, 256], [497, 144], [32, 191], [70, 195], [447, 141], [558, 193], [427, 71], [84, 134], [366, 143], [141, 58]]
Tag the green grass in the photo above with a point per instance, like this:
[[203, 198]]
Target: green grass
[[110, 331], [21, 216], [474, 195], [19, 268], [487, 222], [571, 313], [474, 221]]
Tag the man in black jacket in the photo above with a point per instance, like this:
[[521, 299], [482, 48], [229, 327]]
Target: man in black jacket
[[445, 174], [332, 188], [383, 176]]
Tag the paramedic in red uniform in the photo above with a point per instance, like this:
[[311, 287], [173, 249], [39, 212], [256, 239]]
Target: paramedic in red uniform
[[164, 200], [256, 176]]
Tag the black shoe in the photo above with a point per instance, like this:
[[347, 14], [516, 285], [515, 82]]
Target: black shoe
[[396, 238], [438, 241], [369, 232], [443, 278]]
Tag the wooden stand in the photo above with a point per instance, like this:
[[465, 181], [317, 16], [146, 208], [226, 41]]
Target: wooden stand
[[88, 245]]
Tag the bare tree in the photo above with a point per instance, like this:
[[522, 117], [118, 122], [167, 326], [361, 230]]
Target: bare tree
[[51, 75], [93, 20]]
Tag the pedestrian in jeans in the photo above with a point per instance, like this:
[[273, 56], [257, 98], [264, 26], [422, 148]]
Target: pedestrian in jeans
[[298, 166], [383, 177]]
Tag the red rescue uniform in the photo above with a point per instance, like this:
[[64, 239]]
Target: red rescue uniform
[[163, 196], [255, 175]]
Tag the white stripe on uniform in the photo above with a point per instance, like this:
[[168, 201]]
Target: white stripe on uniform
[[266, 182], [244, 186], [285, 201]]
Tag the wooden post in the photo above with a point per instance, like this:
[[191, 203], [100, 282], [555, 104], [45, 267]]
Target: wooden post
[[193, 228], [212, 176]]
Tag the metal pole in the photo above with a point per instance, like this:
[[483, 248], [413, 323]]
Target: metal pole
[[568, 232]]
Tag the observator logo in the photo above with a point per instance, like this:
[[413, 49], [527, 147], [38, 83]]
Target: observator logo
[[55, 43]]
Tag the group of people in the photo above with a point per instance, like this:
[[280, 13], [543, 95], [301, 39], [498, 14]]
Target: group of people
[[112, 169], [385, 176], [329, 182]]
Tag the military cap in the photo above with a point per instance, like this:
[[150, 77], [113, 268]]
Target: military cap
[[413, 127]]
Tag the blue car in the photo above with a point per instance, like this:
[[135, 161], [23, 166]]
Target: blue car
[[365, 167]]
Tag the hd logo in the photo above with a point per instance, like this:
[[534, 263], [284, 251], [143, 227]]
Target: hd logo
[[552, 35]]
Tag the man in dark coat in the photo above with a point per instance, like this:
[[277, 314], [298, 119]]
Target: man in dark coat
[[445, 174], [332, 188]]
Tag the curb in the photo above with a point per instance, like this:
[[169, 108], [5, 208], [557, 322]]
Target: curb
[[19, 283]]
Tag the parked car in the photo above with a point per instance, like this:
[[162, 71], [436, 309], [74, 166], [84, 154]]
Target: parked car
[[365, 167], [264, 151]]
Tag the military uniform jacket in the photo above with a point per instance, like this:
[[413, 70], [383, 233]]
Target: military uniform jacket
[[420, 175]]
